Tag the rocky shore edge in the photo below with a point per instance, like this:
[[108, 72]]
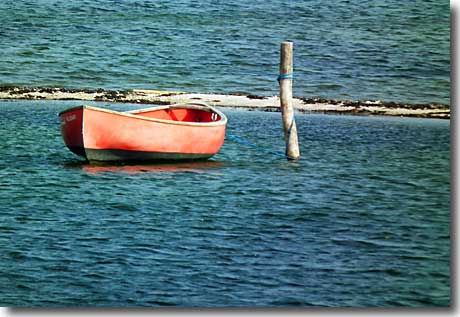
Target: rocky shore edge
[[250, 102]]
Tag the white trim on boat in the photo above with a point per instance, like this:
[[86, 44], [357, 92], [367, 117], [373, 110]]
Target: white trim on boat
[[132, 113]]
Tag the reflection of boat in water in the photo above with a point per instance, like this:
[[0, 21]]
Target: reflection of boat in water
[[175, 132], [193, 167]]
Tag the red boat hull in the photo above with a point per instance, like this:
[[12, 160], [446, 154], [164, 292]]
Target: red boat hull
[[186, 132]]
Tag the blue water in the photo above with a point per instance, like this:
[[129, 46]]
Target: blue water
[[349, 49], [363, 219]]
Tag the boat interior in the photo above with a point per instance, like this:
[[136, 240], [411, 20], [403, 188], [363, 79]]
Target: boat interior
[[181, 114]]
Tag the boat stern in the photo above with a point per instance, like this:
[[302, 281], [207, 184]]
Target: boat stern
[[72, 129]]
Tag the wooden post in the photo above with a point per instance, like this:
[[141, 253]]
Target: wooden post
[[287, 111]]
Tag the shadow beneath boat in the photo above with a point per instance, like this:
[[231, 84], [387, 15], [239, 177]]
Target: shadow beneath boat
[[142, 167]]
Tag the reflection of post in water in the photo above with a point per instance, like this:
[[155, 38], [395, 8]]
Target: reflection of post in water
[[194, 167]]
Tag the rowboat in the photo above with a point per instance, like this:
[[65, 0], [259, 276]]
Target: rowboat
[[191, 131]]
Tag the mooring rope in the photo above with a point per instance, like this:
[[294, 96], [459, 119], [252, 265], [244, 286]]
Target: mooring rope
[[242, 141], [245, 142]]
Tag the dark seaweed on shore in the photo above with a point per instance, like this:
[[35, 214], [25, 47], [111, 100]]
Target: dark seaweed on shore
[[366, 103], [121, 96], [17, 90]]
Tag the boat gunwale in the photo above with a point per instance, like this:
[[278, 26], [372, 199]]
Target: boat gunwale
[[131, 114]]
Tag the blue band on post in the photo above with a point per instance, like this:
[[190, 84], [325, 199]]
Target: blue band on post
[[285, 76]]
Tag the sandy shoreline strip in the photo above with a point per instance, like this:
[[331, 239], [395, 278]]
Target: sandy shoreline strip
[[144, 96]]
